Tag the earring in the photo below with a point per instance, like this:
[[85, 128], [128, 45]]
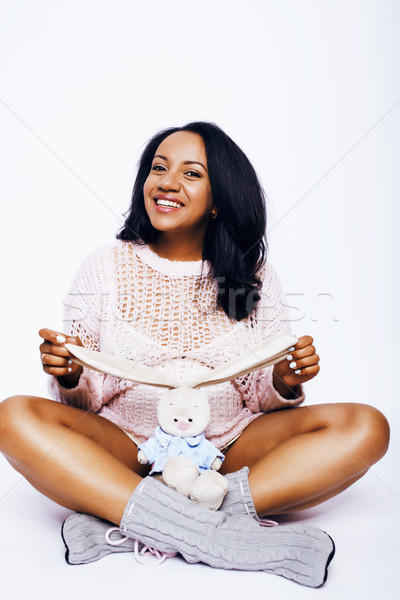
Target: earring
[[214, 215]]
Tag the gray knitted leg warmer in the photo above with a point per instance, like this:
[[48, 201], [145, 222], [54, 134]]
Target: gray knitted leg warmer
[[85, 536], [238, 499], [162, 518], [85, 539]]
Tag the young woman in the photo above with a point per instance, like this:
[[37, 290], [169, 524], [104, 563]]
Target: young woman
[[185, 288]]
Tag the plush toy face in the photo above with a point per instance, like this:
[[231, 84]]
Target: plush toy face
[[183, 412]]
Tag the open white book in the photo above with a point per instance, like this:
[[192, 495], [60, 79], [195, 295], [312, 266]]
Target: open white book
[[266, 353]]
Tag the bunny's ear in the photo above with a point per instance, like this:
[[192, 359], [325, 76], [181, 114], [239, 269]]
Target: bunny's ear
[[120, 367], [266, 353]]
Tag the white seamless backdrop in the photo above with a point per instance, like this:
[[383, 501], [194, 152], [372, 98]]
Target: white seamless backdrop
[[311, 91]]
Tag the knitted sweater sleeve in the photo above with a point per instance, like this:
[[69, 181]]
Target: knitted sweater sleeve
[[83, 310], [271, 319]]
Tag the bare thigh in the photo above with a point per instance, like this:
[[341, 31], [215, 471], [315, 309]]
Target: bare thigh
[[356, 426], [20, 415]]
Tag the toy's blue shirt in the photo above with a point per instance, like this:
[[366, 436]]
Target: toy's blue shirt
[[160, 447]]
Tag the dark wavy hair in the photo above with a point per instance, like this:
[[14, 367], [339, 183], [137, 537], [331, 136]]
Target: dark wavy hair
[[234, 243]]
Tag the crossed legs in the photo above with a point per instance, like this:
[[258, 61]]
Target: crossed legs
[[297, 457]]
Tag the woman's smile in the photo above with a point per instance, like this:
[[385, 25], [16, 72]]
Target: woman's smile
[[167, 203]]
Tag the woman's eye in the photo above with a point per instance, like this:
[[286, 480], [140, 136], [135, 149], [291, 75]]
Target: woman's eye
[[161, 168]]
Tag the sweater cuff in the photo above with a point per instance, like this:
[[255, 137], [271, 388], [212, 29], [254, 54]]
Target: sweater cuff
[[272, 398], [85, 395]]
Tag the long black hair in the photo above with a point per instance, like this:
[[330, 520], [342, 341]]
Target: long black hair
[[234, 243]]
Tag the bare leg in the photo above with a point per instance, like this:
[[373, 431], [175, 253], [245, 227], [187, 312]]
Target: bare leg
[[77, 458], [301, 457]]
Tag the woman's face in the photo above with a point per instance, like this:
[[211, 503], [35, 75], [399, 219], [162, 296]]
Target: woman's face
[[177, 191]]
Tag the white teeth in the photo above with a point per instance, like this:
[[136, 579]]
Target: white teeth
[[162, 202]]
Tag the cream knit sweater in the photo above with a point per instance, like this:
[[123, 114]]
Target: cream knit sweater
[[125, 300]]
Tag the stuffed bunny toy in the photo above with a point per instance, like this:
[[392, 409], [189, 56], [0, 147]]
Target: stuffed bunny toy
[[183, 400], [180, 452]]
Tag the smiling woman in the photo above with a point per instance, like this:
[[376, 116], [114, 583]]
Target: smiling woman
[[187, 289], [177, 196], [223, 219]]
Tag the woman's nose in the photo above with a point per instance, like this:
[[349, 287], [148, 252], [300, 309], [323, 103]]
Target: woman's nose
[[170, 181]]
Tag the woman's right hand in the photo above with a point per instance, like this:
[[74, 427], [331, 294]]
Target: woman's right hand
[[56, 359]]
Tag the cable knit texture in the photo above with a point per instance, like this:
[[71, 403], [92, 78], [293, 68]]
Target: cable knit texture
[[127, 301], [161, 518], [85, 541], [84, 535], [238, 499]]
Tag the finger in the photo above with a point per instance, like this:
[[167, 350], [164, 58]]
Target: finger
[[57, 338], [308, 361], [302, 353], [55, 361], [303, 341], [306, 373], [57, 371], [47, 348]]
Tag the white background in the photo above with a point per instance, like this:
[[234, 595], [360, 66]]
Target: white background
[[311, 92]]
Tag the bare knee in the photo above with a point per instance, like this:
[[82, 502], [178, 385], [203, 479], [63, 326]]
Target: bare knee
[[10, 410], [371, 431], [16, 413]]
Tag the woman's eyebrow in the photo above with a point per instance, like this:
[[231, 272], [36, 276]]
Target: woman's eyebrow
[[194, 162], [187, 162]]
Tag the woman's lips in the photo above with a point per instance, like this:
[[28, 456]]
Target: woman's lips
[[165, 209], [166, 205]]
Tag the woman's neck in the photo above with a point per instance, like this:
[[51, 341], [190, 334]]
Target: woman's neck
[[177, 249]]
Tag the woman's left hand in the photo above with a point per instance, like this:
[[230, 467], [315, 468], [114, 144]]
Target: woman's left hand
[[300, 366]]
